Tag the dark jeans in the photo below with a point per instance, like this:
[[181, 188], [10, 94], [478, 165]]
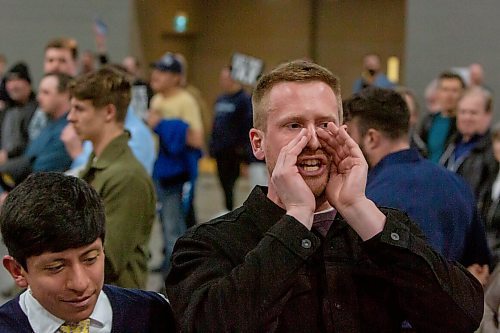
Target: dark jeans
[[228, 170]]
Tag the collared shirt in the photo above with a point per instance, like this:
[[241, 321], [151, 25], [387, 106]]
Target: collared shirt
[[323, 220], [43, 321]]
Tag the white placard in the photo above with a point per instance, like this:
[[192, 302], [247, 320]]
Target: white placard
[[246, 69]]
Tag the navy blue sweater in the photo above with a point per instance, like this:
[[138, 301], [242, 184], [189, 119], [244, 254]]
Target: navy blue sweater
[[439, 201], [134, 311], [232, 122]]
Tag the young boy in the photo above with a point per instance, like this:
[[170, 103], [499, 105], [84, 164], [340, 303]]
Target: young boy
[[53, 228]]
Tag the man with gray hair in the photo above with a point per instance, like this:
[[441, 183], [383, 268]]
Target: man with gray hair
[[470, 152]]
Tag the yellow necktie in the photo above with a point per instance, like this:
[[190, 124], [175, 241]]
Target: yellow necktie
[[81, 327]]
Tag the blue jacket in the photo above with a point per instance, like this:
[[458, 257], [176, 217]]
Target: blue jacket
[[48, 149], [45, 153], [437, 200], [381, 81], [176, 162], [134, 311]]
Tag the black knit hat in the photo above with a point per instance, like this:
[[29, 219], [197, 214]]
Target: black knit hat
[[19, 71]]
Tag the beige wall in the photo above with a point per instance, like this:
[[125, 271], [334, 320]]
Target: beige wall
[[275, 31], [350, 29]]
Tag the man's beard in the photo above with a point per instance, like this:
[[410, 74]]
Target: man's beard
[[365, 154]]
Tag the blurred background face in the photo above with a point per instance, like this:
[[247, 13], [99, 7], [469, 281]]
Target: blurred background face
[[472, 117], [371, 63], [59, 61], [476, 74], [432, 97], [412, 108], [225, 79], [18, 89], [48, 97], [130, 65], [449, 92], [87, 62], [162, 81], [227, 83]]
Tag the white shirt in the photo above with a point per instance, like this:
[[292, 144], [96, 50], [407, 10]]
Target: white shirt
[[42, 321]]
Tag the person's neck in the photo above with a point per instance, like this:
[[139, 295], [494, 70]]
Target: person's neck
[[23, 101], [233, 90], [469, 137], [171, 92], [60, 112], [109, 134], [322, 204], [387, 148], [448, 113]]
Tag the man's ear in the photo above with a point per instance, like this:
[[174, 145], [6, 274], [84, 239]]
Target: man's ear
[[372, 139], [16, 271], [257, 141], [110, 112]]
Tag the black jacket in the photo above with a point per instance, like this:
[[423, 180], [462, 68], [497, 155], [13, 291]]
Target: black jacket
[[479, 168], [259, 270]]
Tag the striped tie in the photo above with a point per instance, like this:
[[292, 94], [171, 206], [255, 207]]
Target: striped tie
[[81, 327]]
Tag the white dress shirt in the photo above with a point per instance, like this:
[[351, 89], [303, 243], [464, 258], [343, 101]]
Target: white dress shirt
[[42, 321]]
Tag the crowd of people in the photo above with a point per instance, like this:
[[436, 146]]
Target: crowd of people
[[368, 215]]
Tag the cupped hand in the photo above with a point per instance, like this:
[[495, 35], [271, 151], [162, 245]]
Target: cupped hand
[[287, 186], [349, 168]]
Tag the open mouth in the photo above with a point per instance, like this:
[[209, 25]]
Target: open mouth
[[310, 165]]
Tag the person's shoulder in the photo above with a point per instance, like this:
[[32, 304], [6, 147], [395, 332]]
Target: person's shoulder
[[125, 169], [184, 94], [186, 100], [139, 310], [12, 319], [440, 175], [226, 224], [126, 162]]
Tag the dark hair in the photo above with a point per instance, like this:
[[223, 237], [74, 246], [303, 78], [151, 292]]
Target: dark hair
[[449, 75], [107, 85], [382, 109], [64, 43], [300, 71], [63, 81], [50, 212]]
